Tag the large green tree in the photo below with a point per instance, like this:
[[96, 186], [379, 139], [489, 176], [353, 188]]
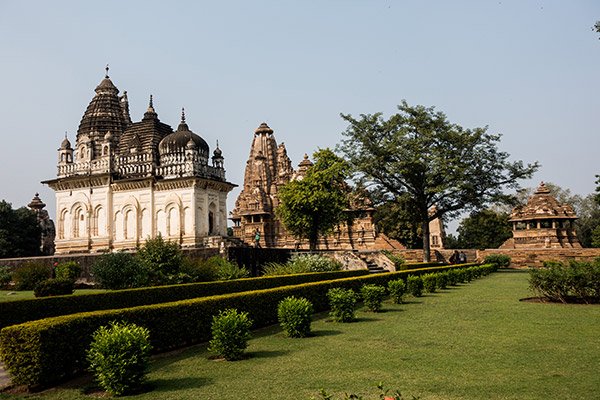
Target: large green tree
[[314, 205], [20, 233], [484, 229], [397, 219], [437, 163]]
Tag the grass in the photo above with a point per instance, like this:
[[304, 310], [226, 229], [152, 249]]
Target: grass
[[12, 295], [474, 341]]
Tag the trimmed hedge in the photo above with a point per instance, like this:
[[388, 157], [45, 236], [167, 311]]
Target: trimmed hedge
[[44, 352], [17, 312]]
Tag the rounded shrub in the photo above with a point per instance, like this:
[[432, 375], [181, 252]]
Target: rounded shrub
[[295, 316], [372, 296], [162, 258], [415, 285], [227, 270], [30, 274], [441, 280], [397, 289], [342, 303], [69, 270], [499, 260], [197, 270], [54, 287], [429, 282], [119, 271], [453, 277], [118, 357], [230, 334]]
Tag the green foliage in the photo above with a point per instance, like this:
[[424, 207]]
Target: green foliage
[[441, 164], [303, 263], [397, 290], [396, 259], [197, 270], [484, 229], [162, 258], [500, 260], [230, 334], [398, 218], [119, 357], [69, 270], [575, 282], [372, 296], [54, 287], [314, 205], [414, 285], [45, 351], [441, 280], [295, 315], [20, 233], [5, 276], [227, 270], [342, 303], [30, 274], [429, 282], [120, 271], [20, 311]]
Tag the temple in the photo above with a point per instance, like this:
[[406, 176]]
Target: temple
[[124, 181], [542, 223], [48, 231], [269, 168]]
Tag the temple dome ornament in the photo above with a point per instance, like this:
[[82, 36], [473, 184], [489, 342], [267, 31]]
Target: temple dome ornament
[[177, 141]]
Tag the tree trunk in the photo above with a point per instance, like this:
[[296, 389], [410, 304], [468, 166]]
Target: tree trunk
[[426, 249]]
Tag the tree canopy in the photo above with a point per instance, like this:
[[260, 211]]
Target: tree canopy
[[20, 234], [419, 153], [484, 229], [314, 205]]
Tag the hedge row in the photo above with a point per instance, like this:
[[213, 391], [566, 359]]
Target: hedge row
[[53, 349], [17, 312]]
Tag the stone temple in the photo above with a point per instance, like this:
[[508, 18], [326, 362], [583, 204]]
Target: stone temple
[[124, 181], [269, 168], [542, 223]]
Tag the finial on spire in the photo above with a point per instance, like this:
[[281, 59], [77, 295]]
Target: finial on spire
[[106, 76], [65, 134], [182, 115], [150, 105], [217, 143]]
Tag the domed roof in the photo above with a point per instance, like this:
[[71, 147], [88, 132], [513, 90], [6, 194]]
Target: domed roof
[[263, 128], [542, 205], [217, 152], [178, 141], [65, 144]]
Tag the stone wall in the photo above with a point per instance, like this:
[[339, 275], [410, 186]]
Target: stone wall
[[523, 258]]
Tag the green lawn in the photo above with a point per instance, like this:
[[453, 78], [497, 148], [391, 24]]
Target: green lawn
[[474, 341], [8, 295]]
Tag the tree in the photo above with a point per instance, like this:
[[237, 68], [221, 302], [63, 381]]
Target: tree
[[20, 233], [397, 219], [314, 205], [418, 152], [484, 229]]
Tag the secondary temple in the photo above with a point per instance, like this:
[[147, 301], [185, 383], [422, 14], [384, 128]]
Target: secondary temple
[[542, 223], [269, 168], [124, 181]]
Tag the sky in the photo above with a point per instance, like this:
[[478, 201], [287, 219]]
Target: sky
[[529, 70]]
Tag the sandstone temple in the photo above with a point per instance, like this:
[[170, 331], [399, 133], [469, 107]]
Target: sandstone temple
[[123, 182], [269, 168], [542, 223]]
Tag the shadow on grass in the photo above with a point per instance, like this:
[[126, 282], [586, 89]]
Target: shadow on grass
[[175, 384], [266, 353], [325, 332]]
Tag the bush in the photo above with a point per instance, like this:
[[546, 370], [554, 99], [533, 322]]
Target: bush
[[120, 271], [454, 277], [441, 280], [372, 296], [197, 270], [118, 357], [429, 282], [30, 274], [5, 277], [162, 258], [397, 289], [54, 287], [230, 334], [414, 285], [227, 270], [576, 282], [295, 315], [302, 263], [342, 303], [69, 270], [500, 260]]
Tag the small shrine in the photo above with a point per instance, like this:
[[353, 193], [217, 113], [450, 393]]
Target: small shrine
[[542, 223]]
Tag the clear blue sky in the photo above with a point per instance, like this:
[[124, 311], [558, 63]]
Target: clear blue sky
[[528, 69]]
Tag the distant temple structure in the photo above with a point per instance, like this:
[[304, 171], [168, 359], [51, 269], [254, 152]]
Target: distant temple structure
[[48, 233], [269, 168], [124, 181], [542, 223]]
